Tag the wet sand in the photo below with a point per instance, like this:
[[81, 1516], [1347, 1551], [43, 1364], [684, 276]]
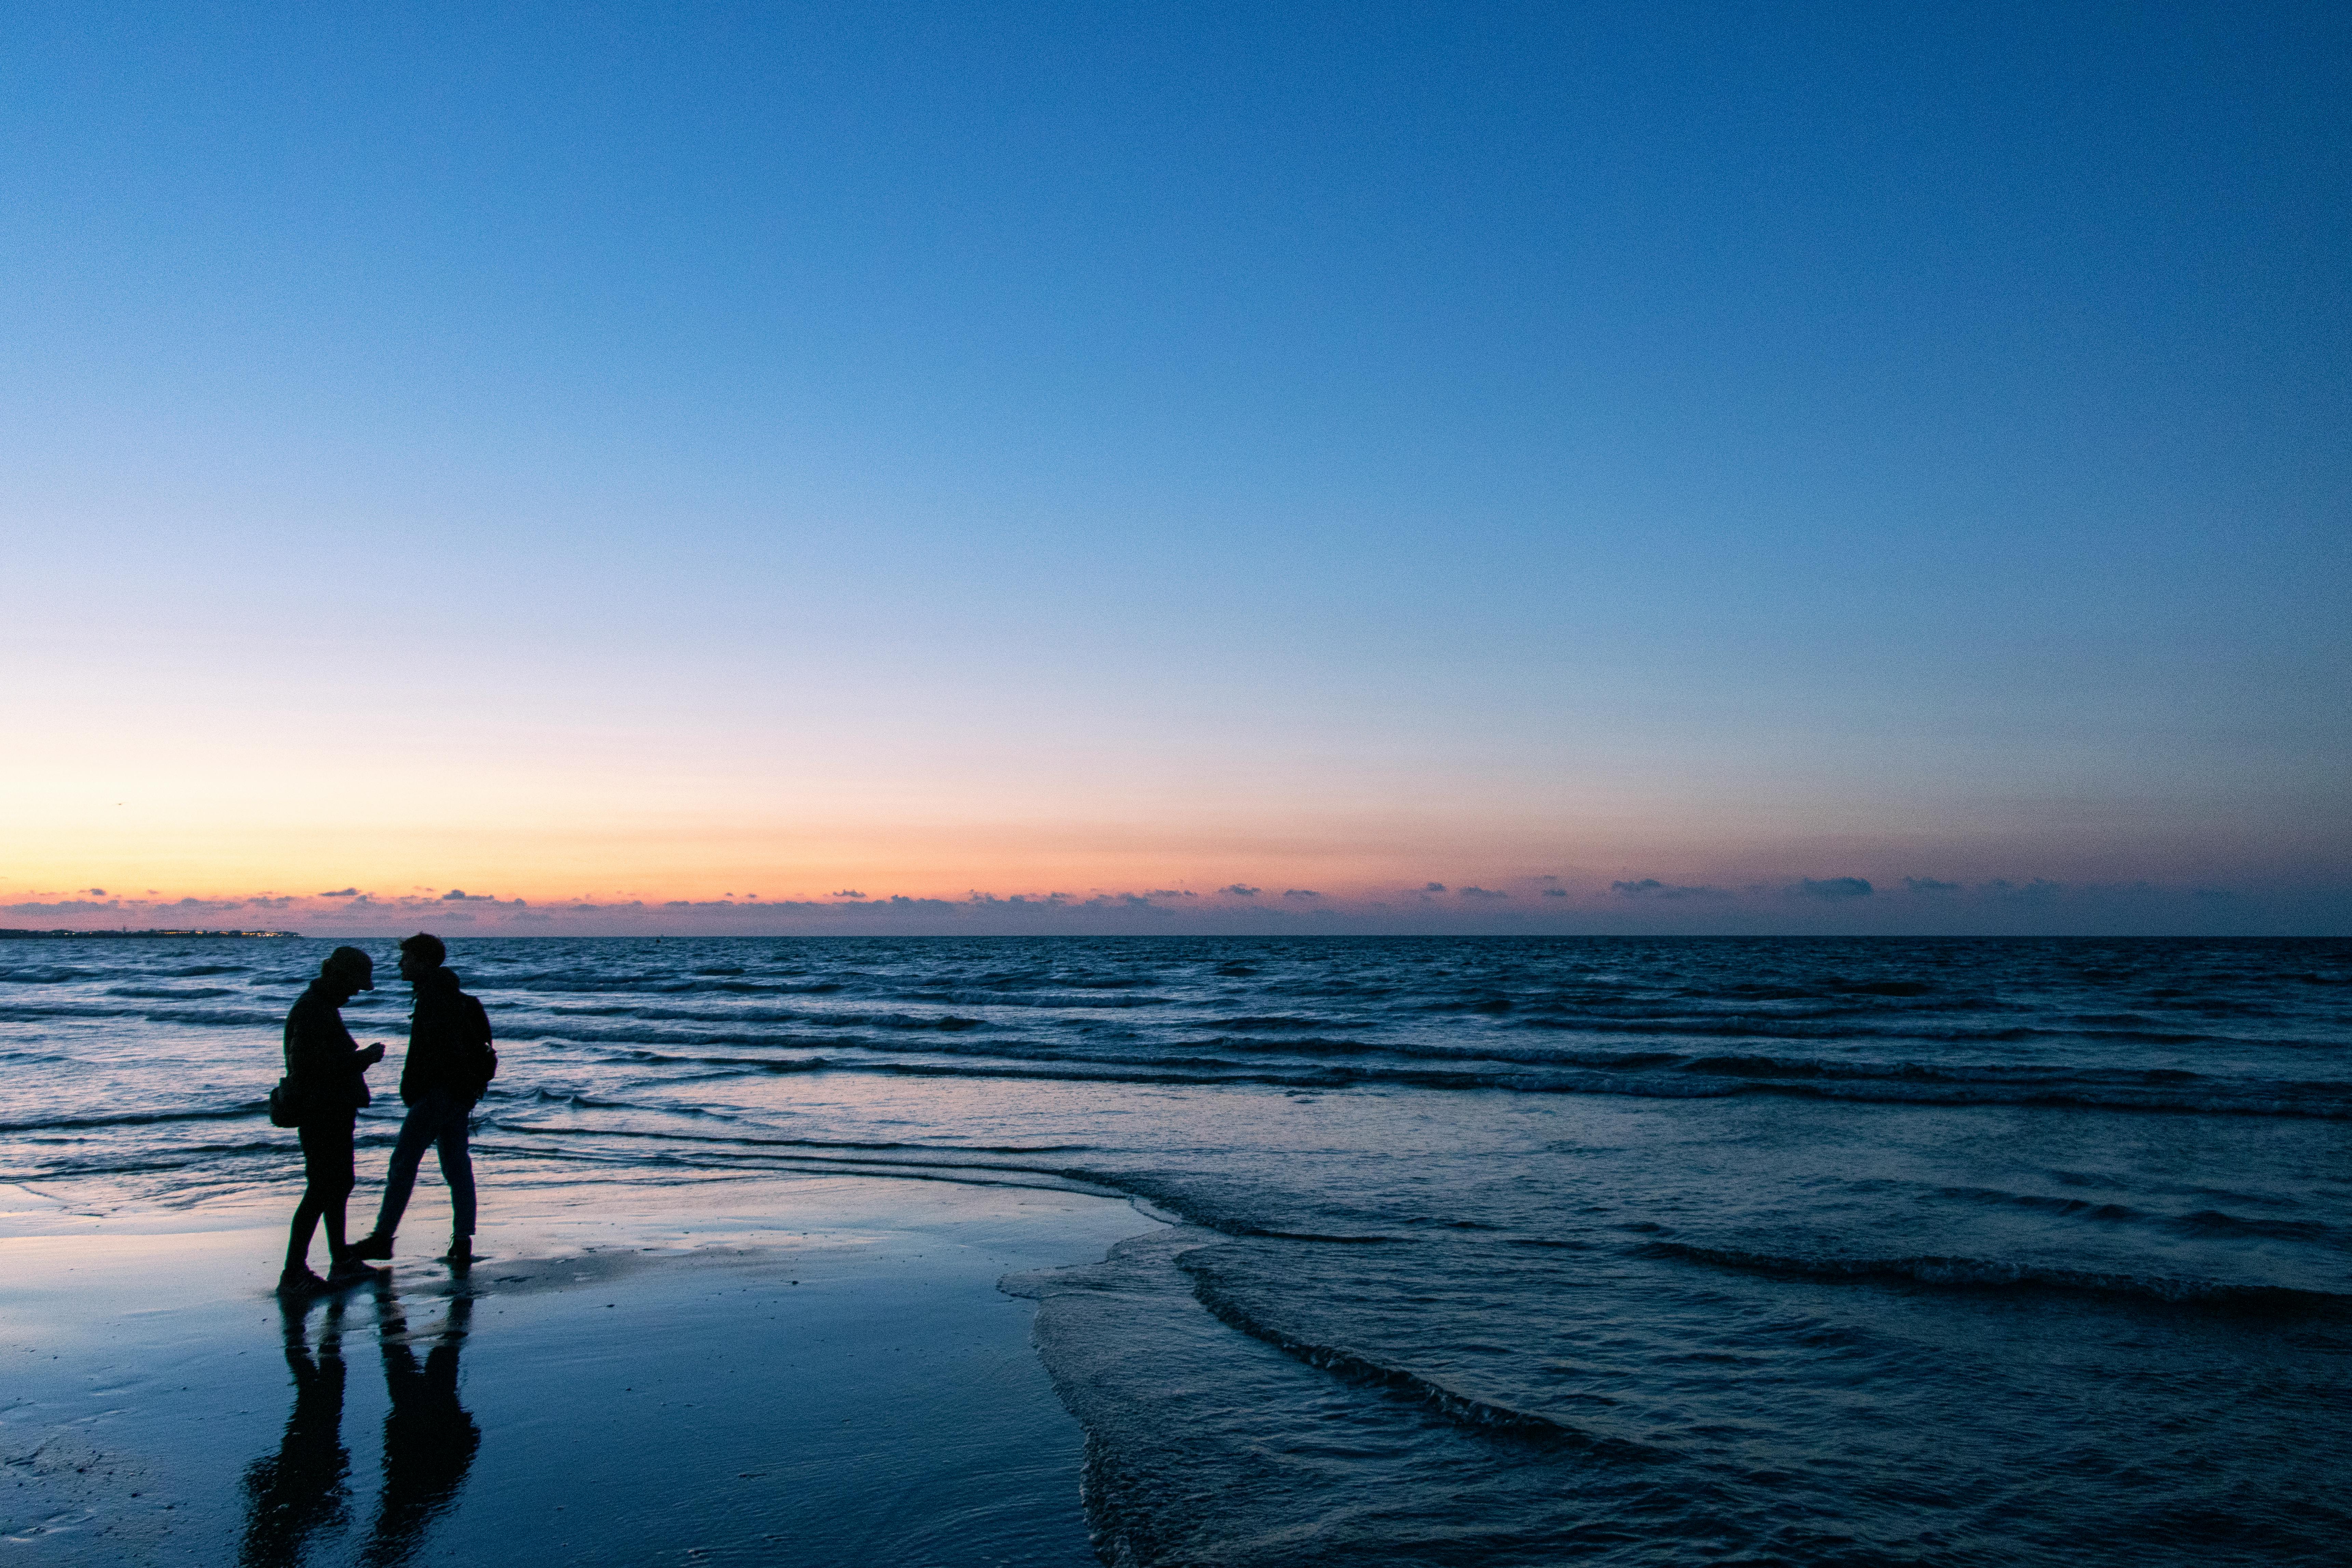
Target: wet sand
[[742, 1370]]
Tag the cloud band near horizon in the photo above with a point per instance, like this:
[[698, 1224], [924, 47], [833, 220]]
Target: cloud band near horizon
[[1540, 905]]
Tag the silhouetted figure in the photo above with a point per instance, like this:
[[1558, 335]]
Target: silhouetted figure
[[326, 1072], [428, 1438], [450, 1062], [302, 1489]]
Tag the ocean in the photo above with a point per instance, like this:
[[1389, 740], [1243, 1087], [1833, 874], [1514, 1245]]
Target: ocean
[[1459, 1251]]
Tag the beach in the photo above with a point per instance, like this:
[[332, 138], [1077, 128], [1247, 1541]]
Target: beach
[[1213, 1253], [766, 1368]]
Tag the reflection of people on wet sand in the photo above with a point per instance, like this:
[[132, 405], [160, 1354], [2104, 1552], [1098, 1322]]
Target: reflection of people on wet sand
[[303, 1489], [428, 1438], [300, 1490]]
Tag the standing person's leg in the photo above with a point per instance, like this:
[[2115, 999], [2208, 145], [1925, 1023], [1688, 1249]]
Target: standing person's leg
[[328, 1178], [343, 1175], [297, 1240], [416, 1131], [457, 1170]]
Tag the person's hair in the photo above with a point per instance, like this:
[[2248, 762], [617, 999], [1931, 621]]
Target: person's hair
[[428, 948]]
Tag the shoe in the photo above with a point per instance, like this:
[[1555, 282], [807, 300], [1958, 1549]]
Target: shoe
[[349, 1271], [374, 1243], [299, 1281], [460, 1253]]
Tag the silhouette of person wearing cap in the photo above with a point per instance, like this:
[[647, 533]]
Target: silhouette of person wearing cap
[[326, 1072]]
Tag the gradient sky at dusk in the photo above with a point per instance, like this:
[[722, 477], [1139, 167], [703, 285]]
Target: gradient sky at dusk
[[1659, 466]]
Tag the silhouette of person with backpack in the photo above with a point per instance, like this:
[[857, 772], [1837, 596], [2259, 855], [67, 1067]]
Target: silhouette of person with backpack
[[450, 1063]]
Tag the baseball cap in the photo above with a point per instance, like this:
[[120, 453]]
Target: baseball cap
[[351, 964]]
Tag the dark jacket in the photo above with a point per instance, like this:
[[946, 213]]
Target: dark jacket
[[448, 1043], [321, 1057]]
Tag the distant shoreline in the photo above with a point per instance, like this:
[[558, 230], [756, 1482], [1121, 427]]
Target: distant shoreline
[[12, 933]]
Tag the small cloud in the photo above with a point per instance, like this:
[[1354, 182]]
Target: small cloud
[[1929, 885], [1833, 887], [341, 893], [1481, 893], [1301, 893], [1432, 887], [1241, 889], [1168, 893], [845, 893], [95, 892], [459, 895], [1555, 892], [1651, 887]]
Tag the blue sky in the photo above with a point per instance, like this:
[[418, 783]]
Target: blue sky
[[600, 450]]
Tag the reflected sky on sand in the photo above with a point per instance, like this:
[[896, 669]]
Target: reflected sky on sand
[[810, 1369]]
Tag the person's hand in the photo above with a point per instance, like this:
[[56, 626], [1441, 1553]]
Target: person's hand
[[373, 1054]]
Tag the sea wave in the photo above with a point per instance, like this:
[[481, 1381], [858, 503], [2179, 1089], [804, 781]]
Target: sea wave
[[2202, 1222], [138, 1118], [735, 1018], [43, 974], [1821, 1029], [1990, 1274], [170, 993], [1231, 1059], [1467, 1409], [27, 1013]]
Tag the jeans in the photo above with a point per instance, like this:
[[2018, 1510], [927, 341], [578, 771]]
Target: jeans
[[439, 1119]]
